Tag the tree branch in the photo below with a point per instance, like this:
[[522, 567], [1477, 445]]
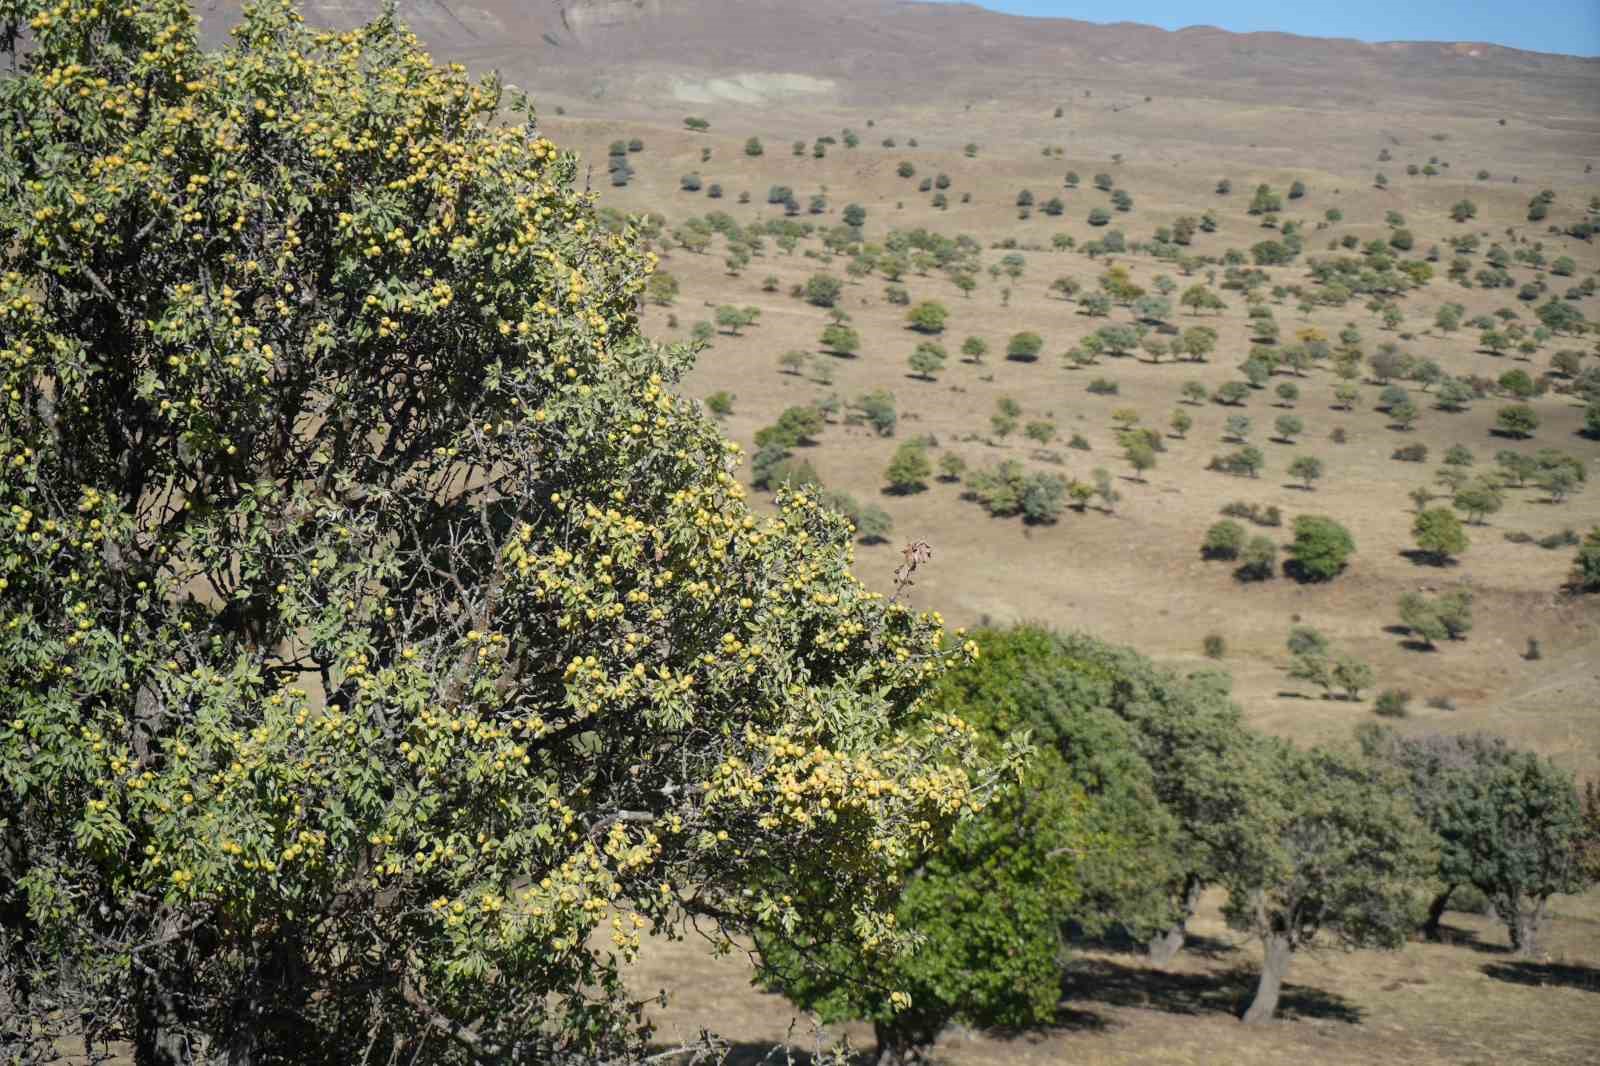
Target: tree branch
[[462, 1034]]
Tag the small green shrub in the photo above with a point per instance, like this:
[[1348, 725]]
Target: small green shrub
[[1393, 703], [1223, 540], [1268, 515], [1411, 453]]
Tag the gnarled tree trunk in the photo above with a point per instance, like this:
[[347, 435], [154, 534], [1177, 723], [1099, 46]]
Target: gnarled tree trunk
[[1436, 909], [1273, 968], [1524, 929], [894, 1047], [1164, 946], [158, 1036]]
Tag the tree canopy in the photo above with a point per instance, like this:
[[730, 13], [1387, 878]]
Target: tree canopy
[[1327, 846], [378, 622], [1321, 547], [1507, 822], [1086, 841]]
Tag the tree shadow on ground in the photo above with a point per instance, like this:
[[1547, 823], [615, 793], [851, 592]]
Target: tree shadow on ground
[[1418, 557], [776, 1053], [1456, 936], [1119, 940], [1071, 1019], [1209, 947], [1410, 644], [1546, 974], [1296, 571], [1090, 981]]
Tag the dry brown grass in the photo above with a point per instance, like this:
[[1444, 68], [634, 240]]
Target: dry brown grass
[[1460, 1002], [1136, 576]]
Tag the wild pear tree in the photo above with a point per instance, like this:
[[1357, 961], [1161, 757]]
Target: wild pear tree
[[377, 624]]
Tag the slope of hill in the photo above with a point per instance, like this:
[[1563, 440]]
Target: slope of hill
[[898, 52]]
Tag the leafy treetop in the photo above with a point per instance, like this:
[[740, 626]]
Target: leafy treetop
[[374, 612]]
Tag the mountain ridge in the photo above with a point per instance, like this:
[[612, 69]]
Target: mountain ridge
[[900, 51]]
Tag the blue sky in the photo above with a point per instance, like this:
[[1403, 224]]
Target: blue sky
[[1568, 26]]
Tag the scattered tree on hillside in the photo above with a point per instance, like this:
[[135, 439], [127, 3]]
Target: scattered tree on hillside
[[1024, 347], [927, 360], [1507, 822], [1517, 420], [839, 339], [823, 290], [928, 317], [1439, 534], [794, 361], [876, 409], [1585, 576], [1321, 547], [1478, 500], [1307, 469], [909, 469], [1004, 420], [1258, 561], [1327, 845]]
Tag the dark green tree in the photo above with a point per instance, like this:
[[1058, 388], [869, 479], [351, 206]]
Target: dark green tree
[[1321, 547], [1024, 347], [1081, 845], [909, 469], [928, 359], [839, 339], [1188, 731], [928, 317], [1307, 469], [1511, 827], [876, 409], [1439, 534], [1479, 500], [1585, 576], [823, 290], [1258, 561], [1517, 420], [1326, 846], [1224, 540]]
